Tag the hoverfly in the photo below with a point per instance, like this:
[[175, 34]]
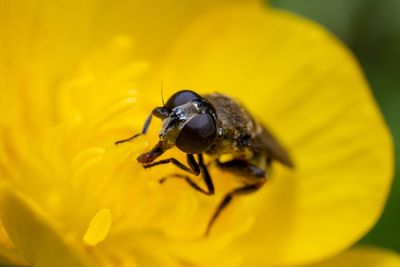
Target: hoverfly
[[215, 125]]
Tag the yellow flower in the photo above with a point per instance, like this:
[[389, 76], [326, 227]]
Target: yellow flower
[[76, 77]]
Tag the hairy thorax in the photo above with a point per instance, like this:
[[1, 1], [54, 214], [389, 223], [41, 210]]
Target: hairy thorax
[[235, 126]]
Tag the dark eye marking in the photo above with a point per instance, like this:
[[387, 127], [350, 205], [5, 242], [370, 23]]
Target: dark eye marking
[[198, 134], [181, 98]]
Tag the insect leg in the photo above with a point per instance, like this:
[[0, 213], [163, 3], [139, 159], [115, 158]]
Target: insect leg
[[194, 165], [228, 198], [243, 168], [206, 175], [144, 131], [188, 180]]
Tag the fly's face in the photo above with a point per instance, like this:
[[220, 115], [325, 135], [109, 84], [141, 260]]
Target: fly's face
[[189, 123]]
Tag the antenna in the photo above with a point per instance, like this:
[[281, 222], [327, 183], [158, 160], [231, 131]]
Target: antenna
[[162, 95]]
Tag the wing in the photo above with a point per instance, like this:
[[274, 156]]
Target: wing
[[266, 142]]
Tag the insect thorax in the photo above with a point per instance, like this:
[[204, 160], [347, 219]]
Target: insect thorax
[[236, 127]]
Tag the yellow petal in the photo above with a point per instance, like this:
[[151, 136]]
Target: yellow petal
[[307, 88], [56, 33], [11, 257], [363, 256], [43, 42], [33, 233]]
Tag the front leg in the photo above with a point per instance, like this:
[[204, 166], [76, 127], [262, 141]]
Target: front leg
[[159, 112], [144, 131]]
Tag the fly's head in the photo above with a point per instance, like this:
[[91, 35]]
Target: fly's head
[[189, 122]]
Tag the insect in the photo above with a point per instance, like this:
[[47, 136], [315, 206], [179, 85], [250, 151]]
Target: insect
[[215, 125]]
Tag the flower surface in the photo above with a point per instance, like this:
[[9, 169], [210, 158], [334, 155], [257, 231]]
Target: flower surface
[[76, 77], [363, 256]]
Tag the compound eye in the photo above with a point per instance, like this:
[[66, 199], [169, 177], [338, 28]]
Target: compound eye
[[198, 134], [180, 98]]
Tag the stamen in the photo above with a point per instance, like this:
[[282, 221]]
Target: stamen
[[98, 227], [113, 109], [85, 163]]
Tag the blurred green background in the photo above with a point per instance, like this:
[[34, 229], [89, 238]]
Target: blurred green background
[[371, 28]]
